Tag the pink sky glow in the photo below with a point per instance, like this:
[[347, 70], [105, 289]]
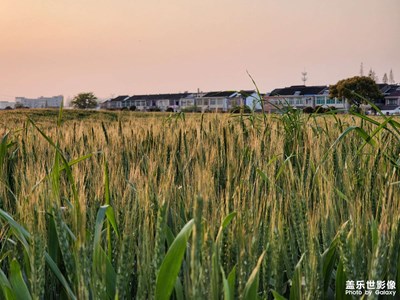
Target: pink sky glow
[[115, 47]]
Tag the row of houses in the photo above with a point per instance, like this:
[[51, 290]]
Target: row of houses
[[298, 96], [301, 96], [219, 101]]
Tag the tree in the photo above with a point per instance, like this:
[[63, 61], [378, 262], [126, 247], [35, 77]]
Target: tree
[[354, 87], [84, 101], [391, 77], [362, 69], [385, 78], [372, 75]]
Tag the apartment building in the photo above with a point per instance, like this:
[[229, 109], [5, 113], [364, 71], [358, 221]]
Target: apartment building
[[41, 102]]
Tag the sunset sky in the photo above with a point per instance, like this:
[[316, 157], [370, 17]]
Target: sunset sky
[[115, 47]]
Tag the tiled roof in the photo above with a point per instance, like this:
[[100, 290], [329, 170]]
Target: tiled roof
[[219, 94], [382, 86], [246, 93], [300, 89], [159, 96], [390, 90], [393, 94], [119, 98]]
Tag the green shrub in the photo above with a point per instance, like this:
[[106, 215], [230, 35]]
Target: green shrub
[[245, 109], [308, 110], [191, 109]]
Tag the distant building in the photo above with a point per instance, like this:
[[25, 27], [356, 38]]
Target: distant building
[[251, 99], [41, 102], [224, 101], [301, 96], [170, 101], [140, 102], [391, 93], [189, 102], [220, 101], [6, 104], [114, 103], [160, 102], [103, 105]]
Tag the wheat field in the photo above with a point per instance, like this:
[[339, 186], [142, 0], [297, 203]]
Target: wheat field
[[121, 205]]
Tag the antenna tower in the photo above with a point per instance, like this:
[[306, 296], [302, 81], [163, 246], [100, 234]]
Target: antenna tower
[[304, 77]]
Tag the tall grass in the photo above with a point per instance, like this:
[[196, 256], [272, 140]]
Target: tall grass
[[197, 207]]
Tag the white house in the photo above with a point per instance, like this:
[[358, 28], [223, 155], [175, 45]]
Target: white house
[[301, 96], [218, 101], [251, 99], [190, 101], [391, 93], [114, 103], [161, 102]]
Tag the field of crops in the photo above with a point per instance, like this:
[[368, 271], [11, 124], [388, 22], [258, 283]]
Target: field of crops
[[214, 206]]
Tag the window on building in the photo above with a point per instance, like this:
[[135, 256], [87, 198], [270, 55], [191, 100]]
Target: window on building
[[277, 101], [320, 101], [330, 101], [391, 101]]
